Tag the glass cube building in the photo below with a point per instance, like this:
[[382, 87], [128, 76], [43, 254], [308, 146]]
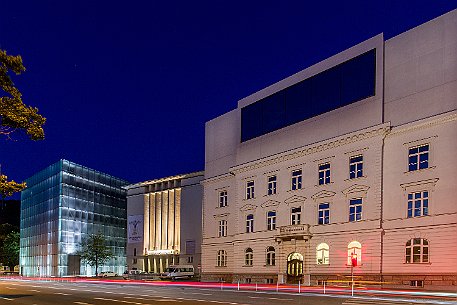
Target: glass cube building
[[61, 206]]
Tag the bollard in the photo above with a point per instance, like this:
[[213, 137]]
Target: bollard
[[277, 286], [324, 287], [352, 288], [238, 285], [256, 287], [299, 287], [221, 285]]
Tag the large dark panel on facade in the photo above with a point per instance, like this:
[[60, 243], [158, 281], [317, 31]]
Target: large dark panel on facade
[[339, 86]]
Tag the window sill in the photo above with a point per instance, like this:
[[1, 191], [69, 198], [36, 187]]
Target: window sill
[[219, 207], [248, 266], [420, 170], [220, 266], [417, 263], [270, 195], [269, 266], [322, 185], [323, 265], [297, 190], [355, 179]]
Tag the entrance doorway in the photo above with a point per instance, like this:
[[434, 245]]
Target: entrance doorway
[[294, 267]]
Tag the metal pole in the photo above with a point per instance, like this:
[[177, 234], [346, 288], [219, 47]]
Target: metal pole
[[299, 290], [277, 286], [256, 287], [352, 280], [238, 285], [324, 287]]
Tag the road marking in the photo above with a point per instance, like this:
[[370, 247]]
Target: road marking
[[254, 297], [377, 302], [34, 290], [82, 303], [280, 299], [200, 293], [12, 288], [61, 293], [3, 298]]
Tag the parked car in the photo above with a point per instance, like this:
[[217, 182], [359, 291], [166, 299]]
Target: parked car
[[131, 273], [178, 271], [107, 274]]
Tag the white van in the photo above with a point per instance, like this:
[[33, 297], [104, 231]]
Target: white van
[[178, 271]]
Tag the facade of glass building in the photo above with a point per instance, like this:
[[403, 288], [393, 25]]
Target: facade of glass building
[[61, 206]]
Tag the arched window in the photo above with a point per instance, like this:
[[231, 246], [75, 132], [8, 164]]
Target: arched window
[[322, 254], [417, 251], [271, 256], [221, 258], [248, 257], [355, 247]]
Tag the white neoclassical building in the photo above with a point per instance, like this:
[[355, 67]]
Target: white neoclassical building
[[354, 156], [164, 222]]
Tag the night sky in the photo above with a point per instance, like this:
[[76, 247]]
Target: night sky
[[127, 86]]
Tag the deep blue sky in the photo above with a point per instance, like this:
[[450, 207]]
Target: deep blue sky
[[127, 86]]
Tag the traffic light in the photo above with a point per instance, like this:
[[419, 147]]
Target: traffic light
[[354, 259]]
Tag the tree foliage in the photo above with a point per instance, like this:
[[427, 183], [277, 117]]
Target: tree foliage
[[15, 116], [9, 245], [94, 251], [11, 249]]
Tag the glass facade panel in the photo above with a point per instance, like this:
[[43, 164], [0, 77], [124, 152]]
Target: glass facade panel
[[61, 206], [339, 86]]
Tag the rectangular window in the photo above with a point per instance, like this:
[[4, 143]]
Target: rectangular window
[[295, 216], [355, 167], [324, 173], [296, 179], [271, 185], [223, 199], [418, 157], [324, 213], [271, 220], [190, 259], [250, 223], [355, 209], [417, 204], [250, 189], [222, 228]]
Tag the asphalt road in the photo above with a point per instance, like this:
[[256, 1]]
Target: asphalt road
[[81, 293]]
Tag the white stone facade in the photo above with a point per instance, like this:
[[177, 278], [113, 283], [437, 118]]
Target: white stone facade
[[164, 223], [414, 106]]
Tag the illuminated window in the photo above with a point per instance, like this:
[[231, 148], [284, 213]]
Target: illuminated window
[[296, 179], [271, 256], [221, 258], [417, 251], [355, 247], [324, 173], [223, 199], [417, 204], [355, 209], [324, 213], [250, 189], [271, 185], [250, 223], [248, 257], [222, 228], [271, 220], [322, 254], [418, 157], [295, 216], [355, 167]]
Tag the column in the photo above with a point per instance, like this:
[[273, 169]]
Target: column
[[177, 219], [146, 224], [164, 219], [158, 218], [152, 221], [171, 219]]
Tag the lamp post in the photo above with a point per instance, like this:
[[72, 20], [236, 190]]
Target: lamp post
[[353, 264]]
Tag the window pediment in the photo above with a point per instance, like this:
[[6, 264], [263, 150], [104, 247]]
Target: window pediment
[[323, 195], [415, 186], [248, 207], [270, 203], [295, 199], [356, 190]]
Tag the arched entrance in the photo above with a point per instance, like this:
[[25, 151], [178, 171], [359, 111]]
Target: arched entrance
[[294, 267]]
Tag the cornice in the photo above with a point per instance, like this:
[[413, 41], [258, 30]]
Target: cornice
[[379, 130], [216, 179], [423, 124]]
